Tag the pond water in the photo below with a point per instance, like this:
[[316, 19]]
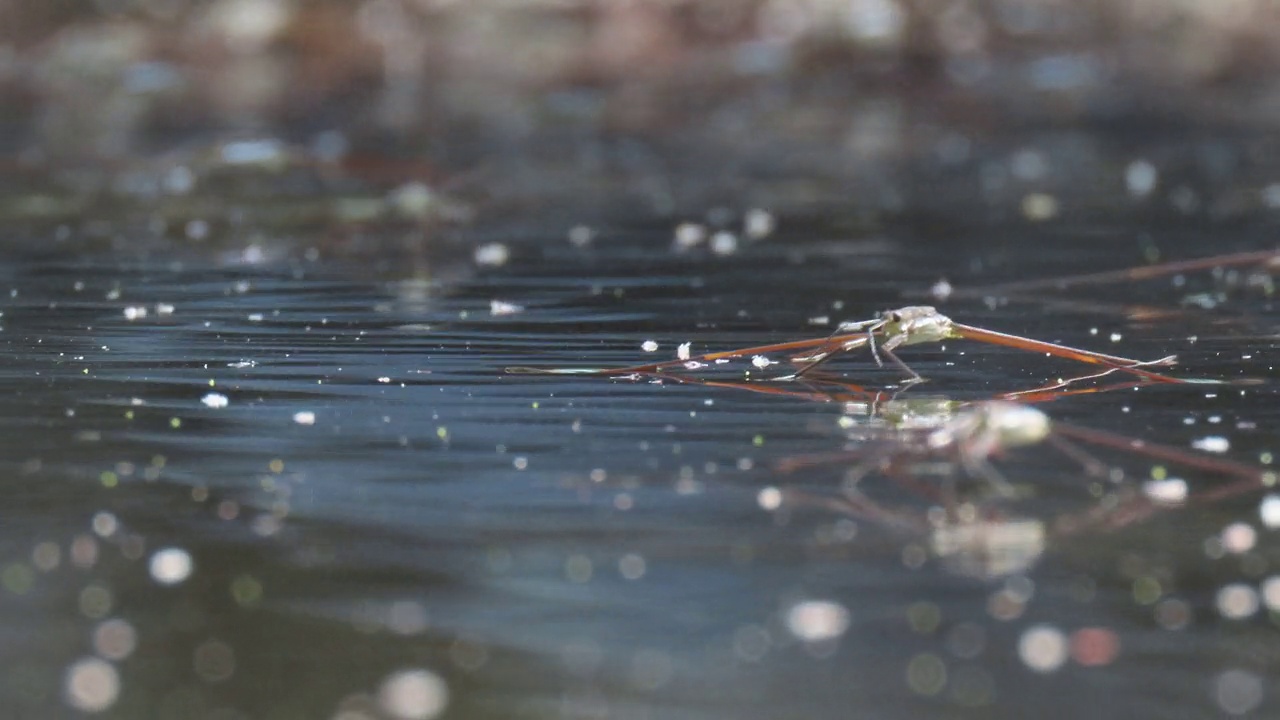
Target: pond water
[[279, 486]]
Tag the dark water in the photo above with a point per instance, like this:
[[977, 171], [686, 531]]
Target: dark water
[[380, 521]]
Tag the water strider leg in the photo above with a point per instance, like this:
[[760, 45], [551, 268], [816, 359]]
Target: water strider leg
[[1092, 465], [913, 376]]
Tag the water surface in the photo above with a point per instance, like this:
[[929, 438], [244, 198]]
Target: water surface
[[369, 503]]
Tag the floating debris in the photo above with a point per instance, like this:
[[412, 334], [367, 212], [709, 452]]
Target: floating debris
[[769, 498], [414, 200], [1212, 443], [215, 400], [758, 224], [498, 308], [1140, 178], [817, 620], [689, 236], [492, 255], [1169, 491], [1269, 511], [416, 694], [724, 243], [304, 417], [581, 235]]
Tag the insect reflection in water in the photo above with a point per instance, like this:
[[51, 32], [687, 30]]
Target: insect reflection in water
[[966, 511]]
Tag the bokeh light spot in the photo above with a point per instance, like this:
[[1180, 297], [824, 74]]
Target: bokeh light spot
[[171, 566], [91, 685], [1094, 647], [926, 674], [1238, 691], [1043, 648]]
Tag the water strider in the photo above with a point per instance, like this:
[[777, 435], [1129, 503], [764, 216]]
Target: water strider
[[892, 329]]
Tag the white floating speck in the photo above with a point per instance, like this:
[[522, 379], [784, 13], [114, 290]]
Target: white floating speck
[[941, 290], [135, 312], [304, 417], [649, 346], [761, 361], [758, 224], [171, 566], [820, 320], [769, 498], [492, 254], [414, 200], [499, 307], [1212, 443], [215, 400], [724, 243], [817, 620], [682, 351], [1269, 510], [581, 235], [196, 229], [1140, 178], [413, 695], [689, 236], [1171, 491], [1116, 337], [164, 309]]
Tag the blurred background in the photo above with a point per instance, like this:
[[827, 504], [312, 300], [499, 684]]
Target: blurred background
[[654, 107]]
